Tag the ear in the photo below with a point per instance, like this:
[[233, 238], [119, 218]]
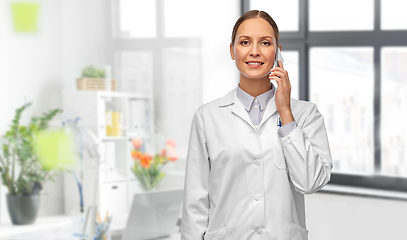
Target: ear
[[232, 52], [279, 46]]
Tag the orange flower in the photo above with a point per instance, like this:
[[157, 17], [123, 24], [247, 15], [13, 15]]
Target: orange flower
[[145, 160], [137, 143], [136, 155], [163, 153]]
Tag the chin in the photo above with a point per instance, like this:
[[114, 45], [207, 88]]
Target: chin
[[257, 76]]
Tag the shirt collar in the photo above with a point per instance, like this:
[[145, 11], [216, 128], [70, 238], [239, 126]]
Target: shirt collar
[[247, 100]]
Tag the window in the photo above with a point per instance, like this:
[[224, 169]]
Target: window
[[179, 18], [158, 52], [291, 63], [285, 13], [343, 77], [161, 48], [393, 14], [136, 22], [394, 111], [344, 15], [351, 63]]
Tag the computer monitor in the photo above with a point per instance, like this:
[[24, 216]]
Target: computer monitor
[[153, 214]]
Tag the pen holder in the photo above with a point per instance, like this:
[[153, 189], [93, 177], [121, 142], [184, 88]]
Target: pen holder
[[102, 234], [78, 223], [102, 230]]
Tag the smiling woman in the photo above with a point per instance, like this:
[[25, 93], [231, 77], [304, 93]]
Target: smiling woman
[[254, 53], [255, 152]]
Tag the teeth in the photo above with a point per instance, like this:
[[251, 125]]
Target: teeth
[[254, 63]]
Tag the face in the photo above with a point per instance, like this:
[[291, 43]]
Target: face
[[254, 49]]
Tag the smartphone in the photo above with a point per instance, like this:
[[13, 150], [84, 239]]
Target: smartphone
[[278, 58]]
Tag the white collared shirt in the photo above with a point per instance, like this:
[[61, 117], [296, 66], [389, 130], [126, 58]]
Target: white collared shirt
[[256, 106]]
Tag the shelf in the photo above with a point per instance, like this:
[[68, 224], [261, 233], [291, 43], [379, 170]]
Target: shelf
[[108, 94], [114, 179], [105, 139], [105, 94], [127, 138]]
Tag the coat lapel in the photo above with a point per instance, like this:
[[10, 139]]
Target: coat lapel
[[240, 111], [237, 107], [270, 110]]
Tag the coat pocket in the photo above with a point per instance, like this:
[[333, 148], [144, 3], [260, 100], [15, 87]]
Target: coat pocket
[[298, 233], [220, 234]]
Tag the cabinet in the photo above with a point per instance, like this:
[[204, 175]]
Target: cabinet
[[113, 180]]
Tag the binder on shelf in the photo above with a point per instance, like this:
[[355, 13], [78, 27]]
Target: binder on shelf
[[139, 118]]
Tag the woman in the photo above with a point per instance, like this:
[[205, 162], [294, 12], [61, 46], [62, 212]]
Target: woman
[[255, 152]]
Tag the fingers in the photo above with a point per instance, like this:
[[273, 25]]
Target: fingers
[[283, 94], [275, 76], [280, 64], [279, 67], [280, 75]]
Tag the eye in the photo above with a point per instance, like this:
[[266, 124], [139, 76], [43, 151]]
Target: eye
[[266, 43], [244, 42]]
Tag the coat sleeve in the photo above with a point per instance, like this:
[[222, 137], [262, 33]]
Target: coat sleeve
[[195, 209], [307, 153]]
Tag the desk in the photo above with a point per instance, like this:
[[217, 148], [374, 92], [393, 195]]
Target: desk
[[59, 228]]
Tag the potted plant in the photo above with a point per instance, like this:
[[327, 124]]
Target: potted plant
[[93, 78], [20, 168]]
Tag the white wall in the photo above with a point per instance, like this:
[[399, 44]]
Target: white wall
[[31, 70], [36, 67], [337, 217], [84, 37], [30, 63], [220, 74]]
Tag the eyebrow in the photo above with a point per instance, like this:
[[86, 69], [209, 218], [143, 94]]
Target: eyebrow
[[244, 36]]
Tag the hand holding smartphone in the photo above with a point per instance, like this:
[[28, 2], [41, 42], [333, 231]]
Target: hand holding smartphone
[[283, 94], [278, 58]]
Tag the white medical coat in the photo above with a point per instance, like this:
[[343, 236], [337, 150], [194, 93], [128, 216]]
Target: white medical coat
[[242, 183]]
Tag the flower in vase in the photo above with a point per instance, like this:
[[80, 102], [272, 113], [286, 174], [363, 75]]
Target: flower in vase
[[171, 143], [146, 160], [137, 143], [135, 154], [147, 168], [169, 153]]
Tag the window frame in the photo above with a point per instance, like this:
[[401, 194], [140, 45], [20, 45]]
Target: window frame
[[303, 40], [156, 45]]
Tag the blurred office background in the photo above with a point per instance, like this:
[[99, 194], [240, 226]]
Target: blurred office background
[[347, 56]]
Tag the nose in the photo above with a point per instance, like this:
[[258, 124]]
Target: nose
[[255, 51]]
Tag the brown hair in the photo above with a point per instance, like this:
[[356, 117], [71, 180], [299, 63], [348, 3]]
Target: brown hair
[[255, 14]]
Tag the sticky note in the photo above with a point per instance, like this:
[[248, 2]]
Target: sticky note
[[56, 149], [25, 16]]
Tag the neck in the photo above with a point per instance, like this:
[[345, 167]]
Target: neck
[[255, 87]]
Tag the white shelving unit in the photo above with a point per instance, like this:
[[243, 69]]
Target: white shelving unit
[[116, 183]]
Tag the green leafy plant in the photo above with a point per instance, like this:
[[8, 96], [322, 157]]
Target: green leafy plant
[[20, 168], [93, 72]]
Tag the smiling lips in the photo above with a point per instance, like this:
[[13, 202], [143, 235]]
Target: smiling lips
[[254, 64]]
